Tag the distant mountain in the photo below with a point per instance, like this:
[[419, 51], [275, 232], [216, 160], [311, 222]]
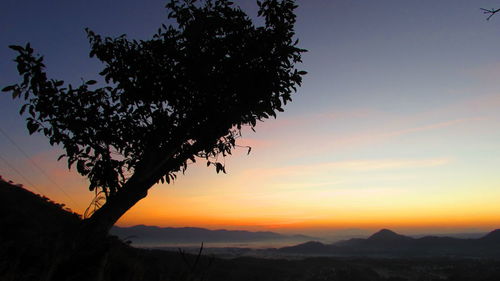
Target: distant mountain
[[493, 236], [143, 235], [388, 243], [461, 235], [388, 235], [311, 248]]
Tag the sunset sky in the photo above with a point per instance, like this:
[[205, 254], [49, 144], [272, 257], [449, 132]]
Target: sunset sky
[[397, 124]]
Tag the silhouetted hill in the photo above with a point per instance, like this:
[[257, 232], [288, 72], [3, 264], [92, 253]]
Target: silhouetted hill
[[34, 234], [493, 236], [387, 235], [308, 248], [26, 215], [388, 243], [142, 234]]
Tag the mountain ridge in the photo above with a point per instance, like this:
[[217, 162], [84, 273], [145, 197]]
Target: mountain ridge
[[391, 244], [387, 235], [143, 235]]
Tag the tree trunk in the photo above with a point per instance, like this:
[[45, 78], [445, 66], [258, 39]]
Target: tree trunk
[[87, 249], [104, 218], [154, 166], [89, 246]]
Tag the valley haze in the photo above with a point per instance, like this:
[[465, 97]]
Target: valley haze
[[158, 237]]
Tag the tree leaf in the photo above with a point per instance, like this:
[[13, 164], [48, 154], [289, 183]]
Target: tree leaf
[[8, 88], [16, 48]]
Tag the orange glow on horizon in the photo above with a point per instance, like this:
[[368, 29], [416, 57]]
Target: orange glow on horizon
[[401, 221]]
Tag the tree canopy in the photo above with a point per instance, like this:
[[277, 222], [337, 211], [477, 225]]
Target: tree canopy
[[164, 102]]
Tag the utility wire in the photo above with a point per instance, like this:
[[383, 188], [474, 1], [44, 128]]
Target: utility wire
[[39, 168], [21, 175]]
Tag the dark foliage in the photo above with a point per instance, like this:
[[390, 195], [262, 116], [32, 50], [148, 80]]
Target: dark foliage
[[183, 94]]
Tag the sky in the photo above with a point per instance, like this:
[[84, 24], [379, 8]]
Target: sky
[[396, 124]]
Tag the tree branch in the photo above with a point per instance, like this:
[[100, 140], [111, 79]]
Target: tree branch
[[490, 12]]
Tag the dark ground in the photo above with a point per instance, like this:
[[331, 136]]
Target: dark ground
[[36, 236]]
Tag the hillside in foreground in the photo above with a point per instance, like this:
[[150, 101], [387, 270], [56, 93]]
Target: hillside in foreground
[[35, 235]]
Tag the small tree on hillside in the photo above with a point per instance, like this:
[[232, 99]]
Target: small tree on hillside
[[183, 95]]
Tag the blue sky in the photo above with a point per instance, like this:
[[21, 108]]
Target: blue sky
[[396, 123]]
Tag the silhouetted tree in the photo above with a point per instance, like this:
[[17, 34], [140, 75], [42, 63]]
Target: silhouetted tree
[[184, 94]]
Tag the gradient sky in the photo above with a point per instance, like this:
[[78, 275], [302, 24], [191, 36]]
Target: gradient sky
[[397, 123]]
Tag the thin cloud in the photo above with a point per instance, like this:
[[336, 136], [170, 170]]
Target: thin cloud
[[373, 137], [350, 166], [430, 127]]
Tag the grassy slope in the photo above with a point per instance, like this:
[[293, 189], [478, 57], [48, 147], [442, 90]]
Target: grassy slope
[[30, 227]]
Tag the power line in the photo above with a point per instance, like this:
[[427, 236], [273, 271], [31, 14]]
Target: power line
[[38, 167], [21, 175]]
